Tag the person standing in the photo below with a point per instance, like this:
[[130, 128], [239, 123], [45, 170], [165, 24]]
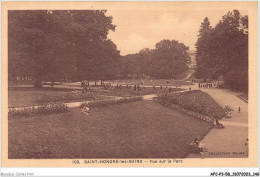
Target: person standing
[[246, 147], [195, 143], [203, 149], [239, 109], [83, 84], [170, 90]]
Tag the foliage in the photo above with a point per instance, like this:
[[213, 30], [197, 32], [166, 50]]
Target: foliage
[[108, 102], [223, 50], [237, 80], [59, 44], [35, 110], [167, 60], [195, 101], [171, 58]]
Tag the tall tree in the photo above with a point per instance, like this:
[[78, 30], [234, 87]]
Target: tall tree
[[202, 55], [224, 51], [56, 42]]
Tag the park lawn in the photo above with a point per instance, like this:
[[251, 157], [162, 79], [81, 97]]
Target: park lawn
[[28, 96], [143, 129]]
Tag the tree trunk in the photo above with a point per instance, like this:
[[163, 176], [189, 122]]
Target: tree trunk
[[38, 82]]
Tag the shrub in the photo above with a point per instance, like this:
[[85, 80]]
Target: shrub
[[34, 110], [107, 102]]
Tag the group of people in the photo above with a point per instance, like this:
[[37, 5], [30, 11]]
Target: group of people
[[193, 80], [207, 85], [135, 87], [85, 86], [198, 148]]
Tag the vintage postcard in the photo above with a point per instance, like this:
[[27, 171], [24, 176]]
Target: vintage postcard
[[129, 84]]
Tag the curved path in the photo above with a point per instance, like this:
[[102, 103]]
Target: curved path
[[230, 141], [188, 76]]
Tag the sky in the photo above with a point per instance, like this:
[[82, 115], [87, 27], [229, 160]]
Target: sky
[[139, 29]]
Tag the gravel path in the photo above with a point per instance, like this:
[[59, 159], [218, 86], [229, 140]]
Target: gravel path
[[230, 141]]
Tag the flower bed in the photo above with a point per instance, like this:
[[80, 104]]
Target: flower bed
[[107, 102], [34, 110], [193, 101], [190, 113]]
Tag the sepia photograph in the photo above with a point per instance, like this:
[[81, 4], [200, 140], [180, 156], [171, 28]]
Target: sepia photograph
[[129, 84]]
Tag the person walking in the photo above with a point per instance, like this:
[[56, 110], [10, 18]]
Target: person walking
[[170, 90], [239, 109]]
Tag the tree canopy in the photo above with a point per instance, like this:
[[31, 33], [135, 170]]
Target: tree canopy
[[168, 59], [223, 50], [60, 44]]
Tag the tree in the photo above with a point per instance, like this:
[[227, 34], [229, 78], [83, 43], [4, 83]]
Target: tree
[[129, 65], [202, 56], [223, 50], [56, 42], [144, 59], [170, 58], [106, 63]]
